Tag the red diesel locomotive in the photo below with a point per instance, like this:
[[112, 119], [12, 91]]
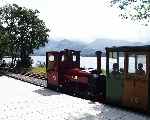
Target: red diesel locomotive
[[64, 73]]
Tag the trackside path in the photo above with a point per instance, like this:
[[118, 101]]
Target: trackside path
[[23, 101]]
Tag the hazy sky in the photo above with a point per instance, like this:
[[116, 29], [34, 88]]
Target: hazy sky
[[84, 20]]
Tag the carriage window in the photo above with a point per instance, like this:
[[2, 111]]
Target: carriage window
[[116, 62], [131, 64], [113, 65], [113, 55], [62, 58], [141, 64], [137, 64], [74, 58], [121, 62], [51, 58]]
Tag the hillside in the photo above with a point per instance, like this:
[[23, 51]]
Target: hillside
[[54, 45], [100, 44], [86, 49]]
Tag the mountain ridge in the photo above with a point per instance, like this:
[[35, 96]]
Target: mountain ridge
[[86, 49]]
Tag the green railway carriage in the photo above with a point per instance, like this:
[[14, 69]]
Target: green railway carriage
[[128, 76]]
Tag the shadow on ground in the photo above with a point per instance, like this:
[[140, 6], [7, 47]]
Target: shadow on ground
[[85, 116], [46, 92], [112, 112], [1, 74]]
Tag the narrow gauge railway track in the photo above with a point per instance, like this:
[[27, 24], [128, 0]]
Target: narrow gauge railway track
[[30, 78]]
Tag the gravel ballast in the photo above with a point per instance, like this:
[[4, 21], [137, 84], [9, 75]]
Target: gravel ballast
[[32, 80]]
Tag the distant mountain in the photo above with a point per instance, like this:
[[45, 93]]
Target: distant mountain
[[147, 43], [54, 45], [100, 44], [86, 49]]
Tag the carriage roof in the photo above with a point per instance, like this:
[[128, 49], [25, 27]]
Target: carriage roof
[[144, 48]]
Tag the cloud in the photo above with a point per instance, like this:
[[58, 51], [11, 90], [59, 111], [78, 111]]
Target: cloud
[[83, 19]]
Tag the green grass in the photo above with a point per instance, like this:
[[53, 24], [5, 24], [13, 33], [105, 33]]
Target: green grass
[[38, 70]]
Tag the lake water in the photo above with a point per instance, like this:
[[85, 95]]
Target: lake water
[[90, 62], [87, 62]]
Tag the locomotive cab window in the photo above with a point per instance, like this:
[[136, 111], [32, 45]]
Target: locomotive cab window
[[51, 58], [74, 58], [62, 58]]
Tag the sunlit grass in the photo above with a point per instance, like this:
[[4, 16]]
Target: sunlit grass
[[39, 70]]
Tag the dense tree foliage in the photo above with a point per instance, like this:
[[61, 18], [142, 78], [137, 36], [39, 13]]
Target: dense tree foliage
[[3, 42], [25, 31], [136, 10]]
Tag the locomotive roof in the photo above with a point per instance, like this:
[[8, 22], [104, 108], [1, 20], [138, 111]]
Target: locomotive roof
[[58, 52], [52, 52], [143, 48]]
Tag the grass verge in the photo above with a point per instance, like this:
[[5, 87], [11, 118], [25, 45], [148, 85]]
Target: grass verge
[[39, 70]]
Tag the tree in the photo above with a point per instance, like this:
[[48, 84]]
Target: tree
[[3, 42], [25, 30], [136, 10]]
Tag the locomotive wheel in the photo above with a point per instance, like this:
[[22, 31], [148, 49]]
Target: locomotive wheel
[[74, 94], [57, 89]]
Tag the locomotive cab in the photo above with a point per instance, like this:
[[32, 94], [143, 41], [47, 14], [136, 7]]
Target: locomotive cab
[[128, 75], [58, 64]]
